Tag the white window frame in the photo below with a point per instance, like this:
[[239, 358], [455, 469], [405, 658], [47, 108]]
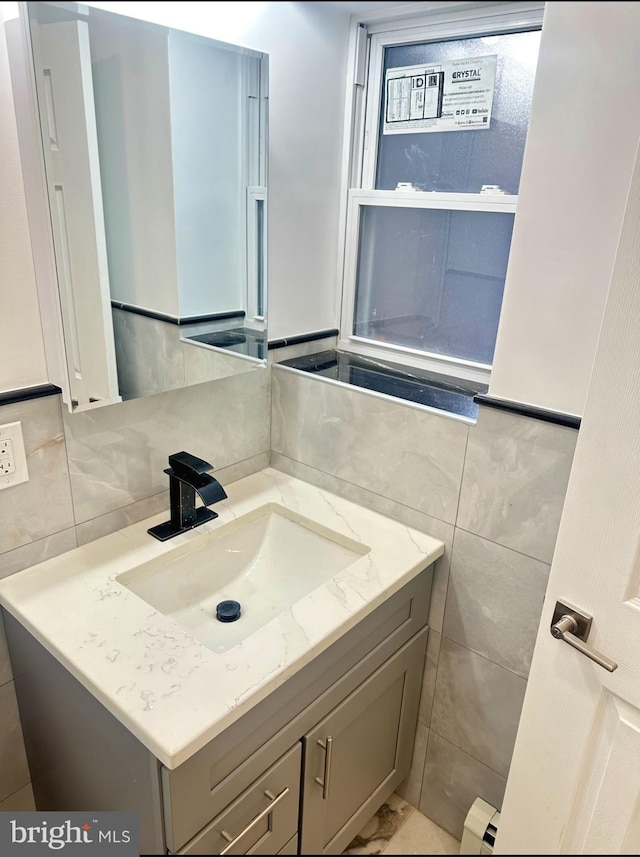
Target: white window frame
[[361, 153]]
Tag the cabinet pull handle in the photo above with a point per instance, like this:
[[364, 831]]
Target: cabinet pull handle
[[328, 753], [233, 840]]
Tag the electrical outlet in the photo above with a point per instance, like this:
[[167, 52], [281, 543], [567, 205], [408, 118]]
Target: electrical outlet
[[13, 459], [7, 466], [7, 461]]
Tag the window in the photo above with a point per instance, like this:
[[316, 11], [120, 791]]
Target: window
[[430, 216]]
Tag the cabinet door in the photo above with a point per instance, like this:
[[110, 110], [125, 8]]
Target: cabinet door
[[262, 820], [291, 847], [360, 752]]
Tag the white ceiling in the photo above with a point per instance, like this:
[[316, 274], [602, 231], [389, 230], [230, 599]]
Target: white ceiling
[[377, 9], [364, 7], [359, 8]]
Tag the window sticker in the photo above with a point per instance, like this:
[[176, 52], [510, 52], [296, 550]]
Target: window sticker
[[456, 95]]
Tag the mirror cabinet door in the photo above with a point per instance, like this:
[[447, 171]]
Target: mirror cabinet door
[[155, 151]]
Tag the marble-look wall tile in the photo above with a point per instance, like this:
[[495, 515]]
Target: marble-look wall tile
[[208, 364], [119, 518], [514, 483], [477, 705], [153, 357], [411, 787], [6, 673], [494, 601], [20, 801], [399, 512], [452, 781], [42, 506], [14, 771], [38, 551], [89, 531], [401, 452], [429, 677], [118, 453], [148, 354]]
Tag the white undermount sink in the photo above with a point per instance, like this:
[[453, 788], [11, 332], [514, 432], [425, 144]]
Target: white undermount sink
[[266, 560]]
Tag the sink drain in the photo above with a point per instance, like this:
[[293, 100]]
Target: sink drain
[[228, 611]]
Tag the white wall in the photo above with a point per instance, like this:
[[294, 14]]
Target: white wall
[[171, 110], [208, 123], [307, 47], [22, 361], [582, 140], [131, 81]]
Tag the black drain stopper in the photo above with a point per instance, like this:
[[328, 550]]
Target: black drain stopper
[[228, 611]]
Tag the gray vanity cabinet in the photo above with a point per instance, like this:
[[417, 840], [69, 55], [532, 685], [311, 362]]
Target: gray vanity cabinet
[[342, 769], [300, 772]]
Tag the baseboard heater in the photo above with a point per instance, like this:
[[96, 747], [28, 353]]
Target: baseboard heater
[[480, 828]]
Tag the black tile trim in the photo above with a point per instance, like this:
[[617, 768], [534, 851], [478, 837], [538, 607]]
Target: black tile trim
[[529, 411], [174, 319], [10, 397], [303, 337]]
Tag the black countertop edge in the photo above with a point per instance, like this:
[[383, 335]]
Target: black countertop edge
[[10, 397], [174, 319], [303, 337], [529, 411]]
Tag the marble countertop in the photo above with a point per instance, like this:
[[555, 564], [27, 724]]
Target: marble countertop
[[171, 691]]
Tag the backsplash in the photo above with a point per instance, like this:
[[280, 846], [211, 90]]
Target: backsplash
[[94, 472], [493, 492]]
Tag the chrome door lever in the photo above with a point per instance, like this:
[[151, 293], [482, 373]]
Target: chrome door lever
[[573, 626]]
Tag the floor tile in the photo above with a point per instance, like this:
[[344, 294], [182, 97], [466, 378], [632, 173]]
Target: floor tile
[[398, 828], [380, 830], [420, 835]]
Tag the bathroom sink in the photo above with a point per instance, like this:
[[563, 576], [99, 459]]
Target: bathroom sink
[[134, 618], [266, 560]]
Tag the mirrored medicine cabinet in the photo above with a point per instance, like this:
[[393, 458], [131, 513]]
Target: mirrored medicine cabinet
[[153, 193]]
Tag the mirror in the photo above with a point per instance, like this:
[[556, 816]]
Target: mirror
[[155, 155]]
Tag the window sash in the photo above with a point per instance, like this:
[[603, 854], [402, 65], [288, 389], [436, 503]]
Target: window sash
[[466, 25], [348, 341]]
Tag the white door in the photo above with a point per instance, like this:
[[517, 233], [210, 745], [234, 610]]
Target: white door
[[574, 784], [70, 142]]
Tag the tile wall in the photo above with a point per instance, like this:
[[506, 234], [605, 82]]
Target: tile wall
[[152, 356], [493, 492], [94, 472]]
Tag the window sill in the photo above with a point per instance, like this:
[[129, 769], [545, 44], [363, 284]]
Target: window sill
[[438, 393]]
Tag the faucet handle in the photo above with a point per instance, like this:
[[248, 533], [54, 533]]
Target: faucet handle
[[186, 465]]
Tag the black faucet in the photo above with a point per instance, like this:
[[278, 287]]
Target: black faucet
[[188, 475]]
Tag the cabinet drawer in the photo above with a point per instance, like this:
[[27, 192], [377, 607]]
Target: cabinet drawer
[[262, 820]]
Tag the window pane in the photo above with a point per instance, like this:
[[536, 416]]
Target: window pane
[[432, 279], [463, 161]]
